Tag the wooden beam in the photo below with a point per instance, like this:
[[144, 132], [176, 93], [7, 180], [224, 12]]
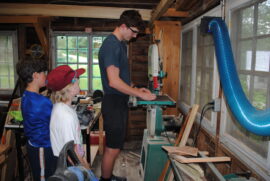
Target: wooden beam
[[18, 19], [42, 38], [186, 4], [171, 12], [162, 7], [43, 20], [68, 10]]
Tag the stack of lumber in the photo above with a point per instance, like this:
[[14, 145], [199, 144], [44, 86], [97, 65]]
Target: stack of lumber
[[184, 157]]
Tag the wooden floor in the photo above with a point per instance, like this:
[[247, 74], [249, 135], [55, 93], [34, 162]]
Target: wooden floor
[[127, 164]]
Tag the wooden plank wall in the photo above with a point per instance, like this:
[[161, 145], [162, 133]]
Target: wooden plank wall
[[168, 32], [138, 61]]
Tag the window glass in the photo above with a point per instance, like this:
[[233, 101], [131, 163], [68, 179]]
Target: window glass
[[186, 67], [263, 54], [61, 42], [7, 61], [83, 55], [204, 71], [263, 18], [245, 54], [247, 21], [260, 92], [96, 44]]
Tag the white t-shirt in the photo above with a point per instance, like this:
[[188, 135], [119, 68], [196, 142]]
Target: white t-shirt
[[64, 127]]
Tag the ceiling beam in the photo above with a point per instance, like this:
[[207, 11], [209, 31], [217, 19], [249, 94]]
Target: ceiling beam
[[24, 19], [67, 10], [185, 5], [162, 7], [171, 12], [42, 37]]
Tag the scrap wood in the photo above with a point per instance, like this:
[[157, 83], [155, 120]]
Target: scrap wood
[[197, 167], [4, 148], [190, 172], [183, 159], [182, 150], [180, 141], [135, 154]]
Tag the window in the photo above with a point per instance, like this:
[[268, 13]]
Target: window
[[80, 50], [96, 77], [204, 70], [8, 59], [252, 53], [186, 68]]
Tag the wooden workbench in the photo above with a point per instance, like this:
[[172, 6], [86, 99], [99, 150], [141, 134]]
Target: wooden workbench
[[91, 150]]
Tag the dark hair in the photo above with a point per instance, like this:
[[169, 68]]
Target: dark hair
[[26, 68], [131, 18]]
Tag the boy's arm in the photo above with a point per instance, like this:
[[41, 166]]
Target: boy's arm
[[117, 83]]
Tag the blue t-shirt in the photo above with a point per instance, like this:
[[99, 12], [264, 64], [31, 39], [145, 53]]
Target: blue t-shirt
[[36, 112], [113, 52]]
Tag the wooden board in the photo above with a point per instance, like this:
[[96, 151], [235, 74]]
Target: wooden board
[[94, 150], [184, 150], [189, 125], [183, 159], [67, 10], [179, 138], [169, 50], [188, 172]]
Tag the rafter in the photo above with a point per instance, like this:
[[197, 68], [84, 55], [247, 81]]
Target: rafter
[[171, 12], [67, 10], [162, 7]]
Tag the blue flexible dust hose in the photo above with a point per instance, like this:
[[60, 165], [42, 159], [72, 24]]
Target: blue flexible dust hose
[[252, 119]]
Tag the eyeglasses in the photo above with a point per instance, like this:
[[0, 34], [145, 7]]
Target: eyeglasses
[[134, 31]]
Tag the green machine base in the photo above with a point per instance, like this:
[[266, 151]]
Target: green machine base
[[153, 157]]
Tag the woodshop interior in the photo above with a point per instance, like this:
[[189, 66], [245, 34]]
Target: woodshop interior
[[203, 139]]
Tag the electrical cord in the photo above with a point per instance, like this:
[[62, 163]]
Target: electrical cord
[[167, 136], [204, 109]]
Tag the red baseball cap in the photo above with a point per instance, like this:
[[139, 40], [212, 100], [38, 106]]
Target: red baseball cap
[[61, 76]]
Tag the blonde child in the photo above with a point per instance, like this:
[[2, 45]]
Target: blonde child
[[65, 126]]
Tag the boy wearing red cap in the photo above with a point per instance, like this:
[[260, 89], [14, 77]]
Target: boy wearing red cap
[[36, 111], [65, 126]]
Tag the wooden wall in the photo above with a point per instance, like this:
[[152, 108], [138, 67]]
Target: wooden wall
[[138, 61], [169, 35]]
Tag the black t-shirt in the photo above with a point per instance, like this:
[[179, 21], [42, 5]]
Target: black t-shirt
[[113, 52]]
